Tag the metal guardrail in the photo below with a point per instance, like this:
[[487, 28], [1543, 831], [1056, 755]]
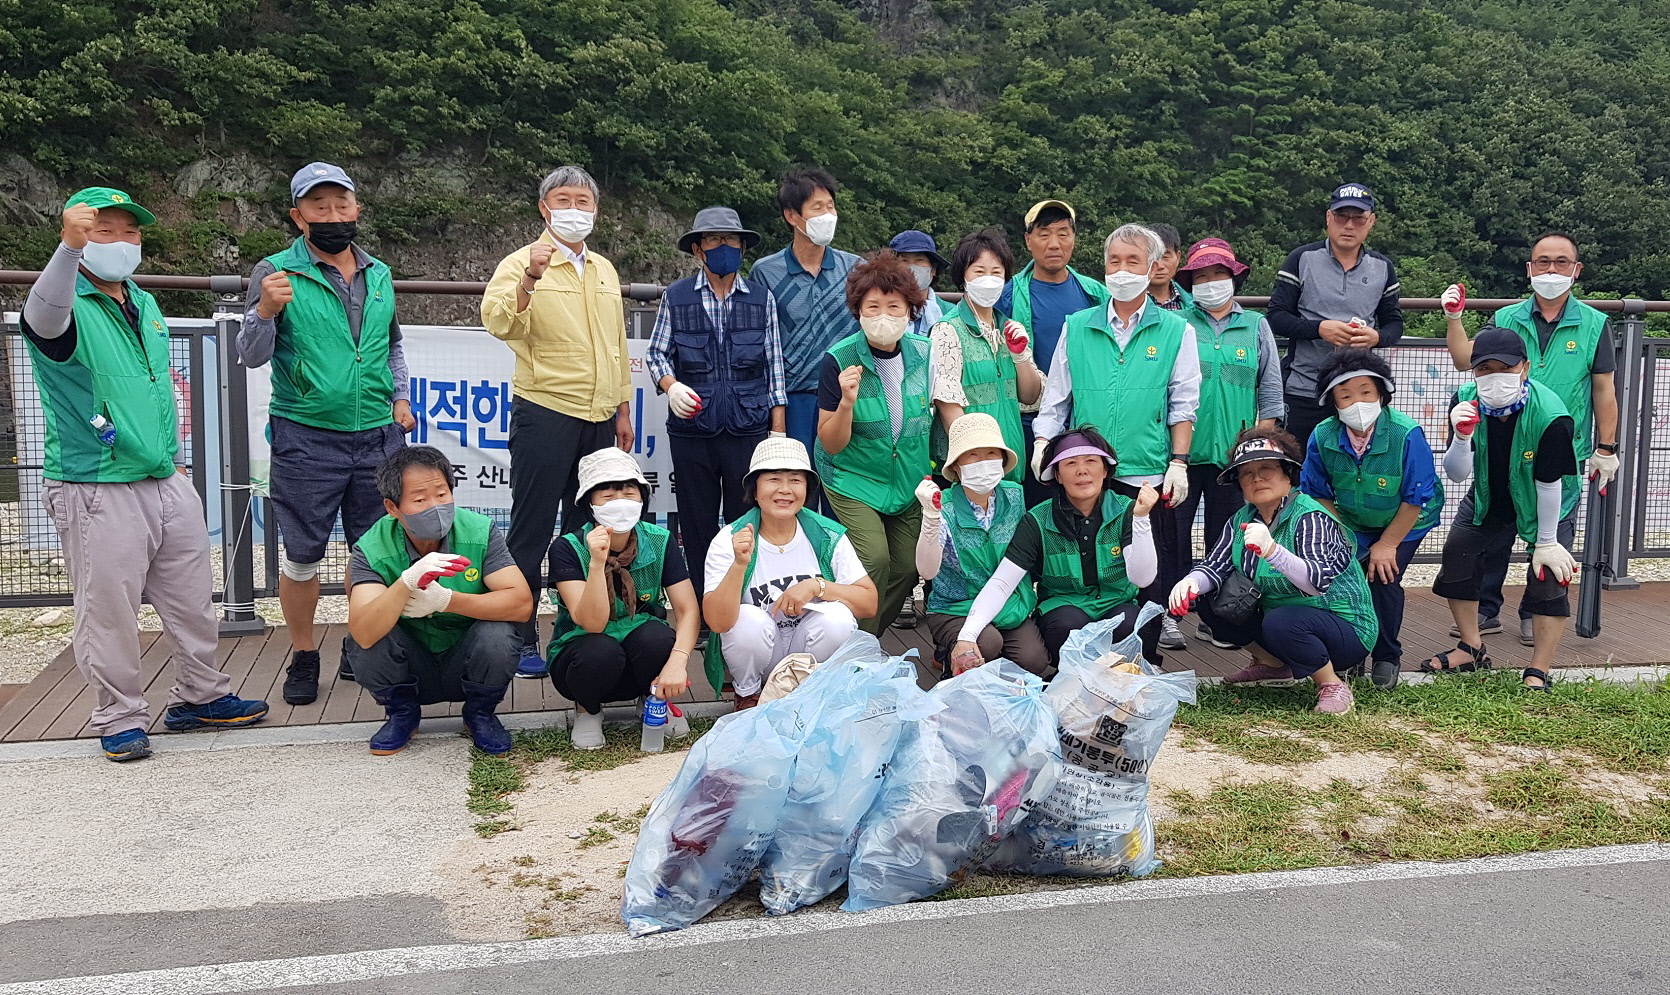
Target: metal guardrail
[[1638, 506]]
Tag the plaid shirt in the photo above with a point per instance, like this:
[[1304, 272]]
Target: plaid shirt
[[661, 338]]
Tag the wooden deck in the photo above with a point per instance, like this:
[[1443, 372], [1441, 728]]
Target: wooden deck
[[1635, 632]]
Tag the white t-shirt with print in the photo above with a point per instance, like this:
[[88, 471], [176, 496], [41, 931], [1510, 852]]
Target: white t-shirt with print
[[776, 571]]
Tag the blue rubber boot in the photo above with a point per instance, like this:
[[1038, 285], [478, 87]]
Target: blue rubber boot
[[486, 731], [227, 710], [404, 713]]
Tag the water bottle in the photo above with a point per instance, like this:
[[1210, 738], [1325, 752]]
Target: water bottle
[[106, 431], [677, 726], [655, 725]]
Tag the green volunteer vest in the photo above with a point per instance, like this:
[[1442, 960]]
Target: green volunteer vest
[[321, 376], [1369, 494], [823, 533], [115, 373], [989, 383], [874, 467], [384, 546], [1020, 294], [1123, 392], [1347, 597], [1542, 406], [1061, 582], [978, 553], [1228, 383], [646, 577], [1568, 365]]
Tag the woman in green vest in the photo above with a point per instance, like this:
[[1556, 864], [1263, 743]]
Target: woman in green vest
[[1307, 612], [1371, 466], [610, 575], [982, 360], [873, 421], [965, 530], [1089, 549]]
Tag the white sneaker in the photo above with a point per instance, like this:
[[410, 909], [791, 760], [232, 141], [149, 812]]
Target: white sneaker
[[587, 733], [1171, 637]]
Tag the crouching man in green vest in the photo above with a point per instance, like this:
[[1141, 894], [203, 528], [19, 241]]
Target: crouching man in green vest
[[129, 524], [321, 312], [433, 605], [1514, 438]]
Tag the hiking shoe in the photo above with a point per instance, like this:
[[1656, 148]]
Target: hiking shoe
[[1385, 674], [1258, 675], [1171, 637], [1527, 633], [301, 679], [345, 670], [227, 710], [1334, 699], [130, 744], [1486, 627], [587, 733], [745, 701], [532, 666], [1204, 632]]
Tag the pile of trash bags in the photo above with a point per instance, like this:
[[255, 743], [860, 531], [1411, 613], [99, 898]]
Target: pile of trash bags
[[859, 777]]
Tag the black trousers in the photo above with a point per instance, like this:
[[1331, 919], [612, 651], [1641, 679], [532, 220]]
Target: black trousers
[[1222, 502], [486, 654], [545, 451], [707, 477], [1303, 415], [595, 668], [1057, 624], [1166, 548]]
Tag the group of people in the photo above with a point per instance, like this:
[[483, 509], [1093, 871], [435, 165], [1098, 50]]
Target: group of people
[[1035, 453]]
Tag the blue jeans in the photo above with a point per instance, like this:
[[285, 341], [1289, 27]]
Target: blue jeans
[[801, 417], [1305, 638], [1388, 602]]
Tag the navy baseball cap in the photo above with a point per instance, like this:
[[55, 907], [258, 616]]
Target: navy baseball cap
[[912, 240], [1351, 195], [1501, 344], [315, 173]]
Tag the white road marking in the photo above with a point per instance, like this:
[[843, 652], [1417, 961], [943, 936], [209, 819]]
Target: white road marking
[[368, 965]]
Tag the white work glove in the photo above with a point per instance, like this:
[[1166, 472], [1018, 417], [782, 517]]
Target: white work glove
[[1256, 535], [1038, 447], [436, 564], [927, 495], [1175, 487], [1184, 596], [1603, 469], [426, 601], [1556, 558], [777, 435], [1454, 300], [1464, 418], [683, 401]]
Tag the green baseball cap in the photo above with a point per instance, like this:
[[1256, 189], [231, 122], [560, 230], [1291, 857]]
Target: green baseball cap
[[110, 197]]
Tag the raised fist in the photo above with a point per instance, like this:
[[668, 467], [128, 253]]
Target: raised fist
[[276, 294], [539, 259], [78, 225]]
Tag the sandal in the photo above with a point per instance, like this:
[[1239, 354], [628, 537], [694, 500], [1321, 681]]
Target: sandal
[[1541, 675], [1439, 663]]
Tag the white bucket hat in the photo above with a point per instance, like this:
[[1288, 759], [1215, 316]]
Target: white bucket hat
[[778, 454], [607, 466], [975, 430]]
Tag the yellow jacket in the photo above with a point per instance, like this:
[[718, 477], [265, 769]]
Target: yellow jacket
[[570, 343]]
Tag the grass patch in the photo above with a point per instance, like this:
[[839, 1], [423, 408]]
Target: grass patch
[[594, 836], [1238, 829], [1531, 789]]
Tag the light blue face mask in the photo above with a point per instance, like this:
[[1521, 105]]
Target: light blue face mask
[[111, 262]]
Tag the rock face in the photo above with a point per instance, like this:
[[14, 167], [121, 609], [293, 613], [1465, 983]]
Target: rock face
[[28, 194], [234, 174]]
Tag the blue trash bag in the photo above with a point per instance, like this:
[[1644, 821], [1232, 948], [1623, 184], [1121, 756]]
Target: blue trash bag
[[1095, 822], [708, 829], [852, 735], [972, 760]]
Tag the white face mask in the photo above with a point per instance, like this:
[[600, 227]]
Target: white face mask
[[618, 515], [111, 262], [1126, 286], [571, 224], [981, 476], [1549, 286], [1499, 390], [924, 275], [984, 290], [1361, 416], [821, 229], [1214, 294], [884, 330]]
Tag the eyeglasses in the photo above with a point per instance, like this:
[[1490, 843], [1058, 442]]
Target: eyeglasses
[[714, 241], [1252, 473], [1350, 220], [1555, 264]]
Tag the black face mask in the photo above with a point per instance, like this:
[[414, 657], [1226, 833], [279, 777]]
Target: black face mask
[[331, 237]]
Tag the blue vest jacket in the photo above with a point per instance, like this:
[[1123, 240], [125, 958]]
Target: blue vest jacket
[[727, 372]]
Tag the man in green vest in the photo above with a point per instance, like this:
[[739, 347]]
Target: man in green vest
[[322, 313], [130, 523], [434, 601], [1571, 351], [1513, 437], [1131, 370]]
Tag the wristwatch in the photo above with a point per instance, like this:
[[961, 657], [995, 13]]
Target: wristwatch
[[1180, 458], [822, 587], [1609, 448]]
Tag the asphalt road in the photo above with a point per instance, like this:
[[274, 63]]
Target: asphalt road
[[1549, 924]]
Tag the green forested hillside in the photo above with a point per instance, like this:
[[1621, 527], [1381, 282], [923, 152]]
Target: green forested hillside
[[1479, 122]]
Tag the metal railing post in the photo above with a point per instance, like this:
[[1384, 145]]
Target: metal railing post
[[1632, 407], [238, 615]]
